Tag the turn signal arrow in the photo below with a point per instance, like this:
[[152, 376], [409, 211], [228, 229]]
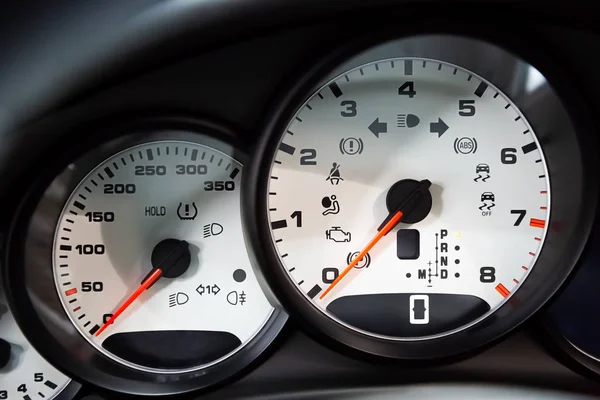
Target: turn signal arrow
[[438, 127], [215, 289], [378, 127]]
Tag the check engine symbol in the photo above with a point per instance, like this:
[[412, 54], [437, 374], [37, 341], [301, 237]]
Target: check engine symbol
[[336, 234]]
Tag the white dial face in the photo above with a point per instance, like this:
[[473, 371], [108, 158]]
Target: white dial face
[[24, 374], [354, 153], [166, 205]]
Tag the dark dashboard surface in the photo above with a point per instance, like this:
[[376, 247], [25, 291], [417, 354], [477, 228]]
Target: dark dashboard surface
[[70, 68]]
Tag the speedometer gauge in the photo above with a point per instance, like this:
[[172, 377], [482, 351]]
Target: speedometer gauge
[[149, 265], [159, 217], [408, 200]]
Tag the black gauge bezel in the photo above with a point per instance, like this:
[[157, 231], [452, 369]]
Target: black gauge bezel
[[46, 324], [569, 157], [69, 391], [551, 333], [564, 350]]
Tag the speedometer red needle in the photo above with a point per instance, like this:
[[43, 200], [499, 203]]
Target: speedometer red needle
[[171, 261], [145, 285], [384, 231]]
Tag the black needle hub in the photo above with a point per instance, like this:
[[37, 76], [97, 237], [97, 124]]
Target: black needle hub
[[172, 257], [4, 353], [410, 196]]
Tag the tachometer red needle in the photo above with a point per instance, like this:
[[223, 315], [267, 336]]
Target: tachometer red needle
[[145, 285], [405, 207], [384, 231]]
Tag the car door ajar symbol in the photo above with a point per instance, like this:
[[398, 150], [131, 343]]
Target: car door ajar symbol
[[419, 309]]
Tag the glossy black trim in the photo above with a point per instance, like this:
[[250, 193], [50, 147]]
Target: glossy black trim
[[156, 32], [571, 161]]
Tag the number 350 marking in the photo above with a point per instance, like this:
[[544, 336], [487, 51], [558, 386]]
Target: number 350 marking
[[219, 186]]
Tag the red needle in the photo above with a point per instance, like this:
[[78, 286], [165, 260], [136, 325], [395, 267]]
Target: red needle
[[172, 260], [384, 231], [405, 207], [145, 285]]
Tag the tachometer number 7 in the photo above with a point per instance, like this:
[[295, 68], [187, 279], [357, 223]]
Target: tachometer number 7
[[520, 217]]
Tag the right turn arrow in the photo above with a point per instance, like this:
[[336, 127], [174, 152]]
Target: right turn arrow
[[438, 127]]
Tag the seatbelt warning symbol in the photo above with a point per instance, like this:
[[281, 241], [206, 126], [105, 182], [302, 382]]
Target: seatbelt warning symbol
[[419, 309]]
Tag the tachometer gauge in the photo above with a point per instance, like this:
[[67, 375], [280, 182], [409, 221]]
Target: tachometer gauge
[[149, 265], [24, 374], [409, 203]]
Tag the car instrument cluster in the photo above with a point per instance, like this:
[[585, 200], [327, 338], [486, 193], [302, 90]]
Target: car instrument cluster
[[410, 200]]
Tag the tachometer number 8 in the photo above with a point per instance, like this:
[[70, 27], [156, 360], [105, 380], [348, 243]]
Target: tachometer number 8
[[487, 274]]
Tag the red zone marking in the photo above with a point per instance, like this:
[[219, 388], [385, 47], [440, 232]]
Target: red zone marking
[[502, 290], [71, 292], [537, 223]]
